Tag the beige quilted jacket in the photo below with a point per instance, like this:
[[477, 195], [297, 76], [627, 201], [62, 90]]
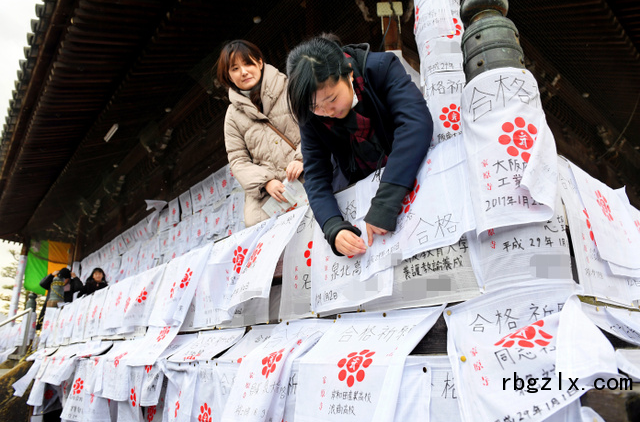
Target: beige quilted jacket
[[256, 153]]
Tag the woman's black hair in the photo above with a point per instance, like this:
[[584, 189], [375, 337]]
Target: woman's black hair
[[104, 276], [309, 66]]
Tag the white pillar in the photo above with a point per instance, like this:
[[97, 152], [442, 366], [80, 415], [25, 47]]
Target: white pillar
[[17, 286]]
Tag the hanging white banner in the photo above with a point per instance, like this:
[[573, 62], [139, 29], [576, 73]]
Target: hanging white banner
[[295, 299], [358, 358], [178, 287], [593, 272], [259, 390], [504, 346], [511, 151]]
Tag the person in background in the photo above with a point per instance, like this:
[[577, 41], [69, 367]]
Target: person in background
[[96, 281], [71, 283], [261, 137], [361, 110]]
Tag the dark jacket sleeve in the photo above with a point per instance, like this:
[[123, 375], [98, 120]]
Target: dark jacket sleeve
[[45, 283], [413, 125], [318, 175], [412, 133], [76, 284]]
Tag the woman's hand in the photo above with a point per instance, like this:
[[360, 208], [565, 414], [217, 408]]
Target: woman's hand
[[294, 170], [275, 188], [371, 230], [349, 244]]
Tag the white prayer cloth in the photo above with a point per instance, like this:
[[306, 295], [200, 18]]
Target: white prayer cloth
[[621, 323], [434, 19], [178, 287], [198, 197], [443, 90], [113, 383], [21, 385], [142, 296], [295, 299], [414, 388], [222, 268], [61, 365], [252, 339], [443, 404], [94, 316], [628, 361], [174, 211], [442, 275], [207, 345], [80, 318], [511, 151], [593, 272], [130, 409], [74, 406], [616, 236], [152, 345], [259, 391], [186, 205], [180, 391], [502, 346], [356, 368], [519, 253], [118, 303], [583, 350], [155, 413], [49, 325], [211, 194], [257, 275], [153, 376]]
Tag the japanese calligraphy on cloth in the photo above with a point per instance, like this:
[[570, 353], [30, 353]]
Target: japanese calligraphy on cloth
[[443, 92], [94, 315], [593, 272], [80, 319], [117, 301], [207, 345], [152, 345], [259, 390], [511, 151], [153, 377], [363, 354], [622, 323], [414, 388], [433, 19], [295, 301], [634, 215], [130, 409], [74, 406], [178, 287], [180, 391], [443, 402], [441, 275], [518, 253], [507, 335], [615, 234], [142, 297], [257, 274], [115, 368], [222, 268]]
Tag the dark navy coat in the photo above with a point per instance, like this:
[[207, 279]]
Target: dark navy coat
[[403, 126]]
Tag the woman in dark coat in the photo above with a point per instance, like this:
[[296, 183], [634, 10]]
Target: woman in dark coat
[[359, 109], [96, 281]]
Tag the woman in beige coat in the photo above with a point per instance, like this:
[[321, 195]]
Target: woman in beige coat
[[261, 137]]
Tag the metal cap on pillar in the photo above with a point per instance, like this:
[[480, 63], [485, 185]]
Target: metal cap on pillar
[[490, 40]]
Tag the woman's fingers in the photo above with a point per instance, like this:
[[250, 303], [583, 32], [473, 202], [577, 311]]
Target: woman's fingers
[[371, 230], [275, 188], [348, 243], [294, 170]]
